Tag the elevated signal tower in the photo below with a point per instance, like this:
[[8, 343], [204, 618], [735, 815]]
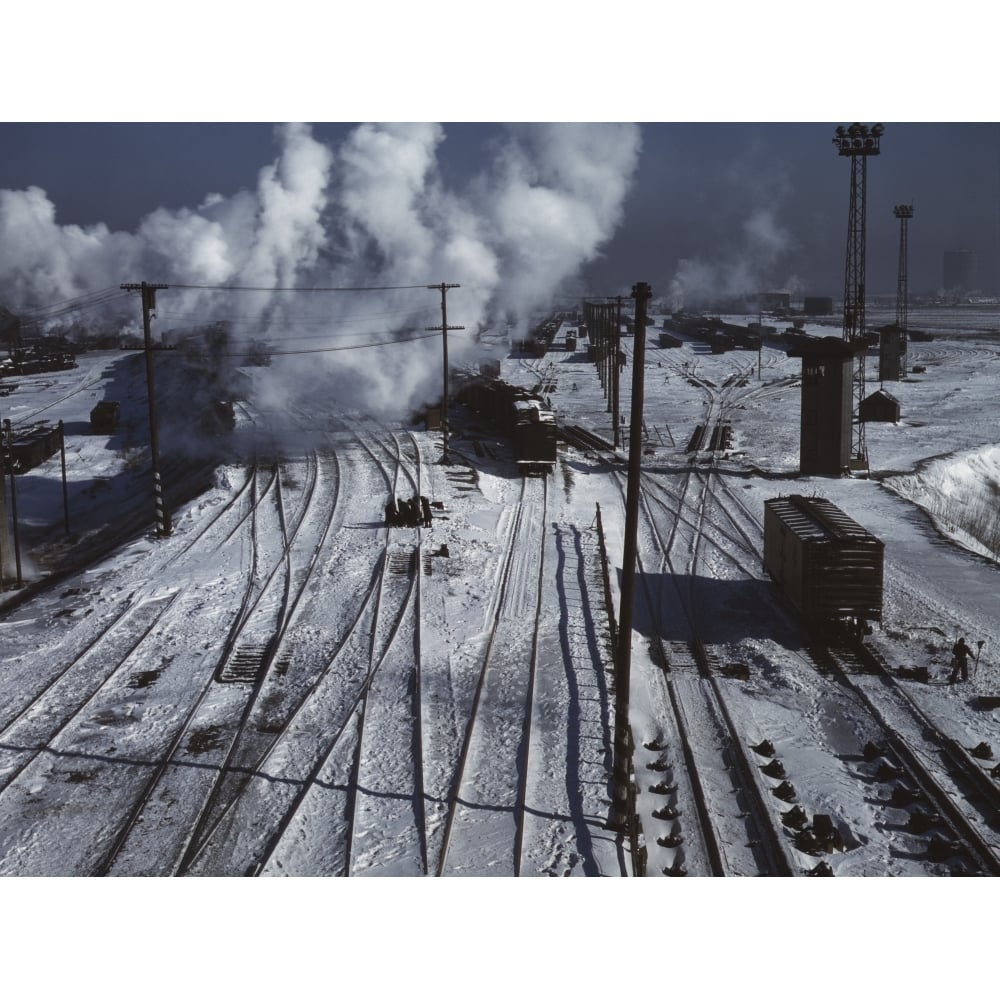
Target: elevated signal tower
[[859, 142], [904, 213]]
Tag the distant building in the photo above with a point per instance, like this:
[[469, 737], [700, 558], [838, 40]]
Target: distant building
[[960, 271], [890, 353], [773, 301], [880, 406], [817, 305]]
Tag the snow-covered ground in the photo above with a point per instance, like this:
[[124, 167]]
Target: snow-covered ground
[[107, 673]]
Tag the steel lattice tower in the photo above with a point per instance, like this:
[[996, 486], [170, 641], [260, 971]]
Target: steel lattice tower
[[858, 142], [904, 213]]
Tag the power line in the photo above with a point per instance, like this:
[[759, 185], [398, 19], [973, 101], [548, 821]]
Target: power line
[[264, 349], [77, 301], [292, 288]]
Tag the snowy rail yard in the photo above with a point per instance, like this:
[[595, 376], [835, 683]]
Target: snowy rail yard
[[288, 686]]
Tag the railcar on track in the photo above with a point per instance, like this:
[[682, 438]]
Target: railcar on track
[[827, 565], [524, 416]]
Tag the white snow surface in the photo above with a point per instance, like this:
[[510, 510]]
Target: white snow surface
[[85, 727]]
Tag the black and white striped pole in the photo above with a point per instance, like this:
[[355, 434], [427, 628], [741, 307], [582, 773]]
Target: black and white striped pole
[[163, 527]]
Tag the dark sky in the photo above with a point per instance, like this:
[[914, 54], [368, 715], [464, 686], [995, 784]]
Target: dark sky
[[697, 189]]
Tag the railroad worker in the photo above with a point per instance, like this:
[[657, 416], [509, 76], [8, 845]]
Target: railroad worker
[[425, 508], [391, 513], [960, 661]]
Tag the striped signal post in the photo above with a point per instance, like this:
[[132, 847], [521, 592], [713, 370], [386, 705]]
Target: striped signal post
[[163, 526]]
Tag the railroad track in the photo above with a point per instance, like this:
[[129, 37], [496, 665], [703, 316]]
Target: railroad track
[[486, 803], [318, 751], [222, 733], [946, 791]]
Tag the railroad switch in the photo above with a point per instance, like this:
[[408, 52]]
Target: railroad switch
[[795, 817], [667, 812], [921, 822], [887, 772], [674, 840], [903, 796], [822, 869], [785, 791], [939, 850], [662, 788]]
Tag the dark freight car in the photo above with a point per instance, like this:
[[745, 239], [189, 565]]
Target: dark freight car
[[32, 447], [104, 417], [828, 566]]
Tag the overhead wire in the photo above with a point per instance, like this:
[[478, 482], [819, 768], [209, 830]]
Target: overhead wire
[[328, 350]]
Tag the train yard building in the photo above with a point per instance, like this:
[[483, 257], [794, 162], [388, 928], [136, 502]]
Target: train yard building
[[827, 387], [880, 407]]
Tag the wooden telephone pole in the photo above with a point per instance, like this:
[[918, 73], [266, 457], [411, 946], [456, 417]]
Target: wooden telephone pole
[[444, 328], [641, 292]]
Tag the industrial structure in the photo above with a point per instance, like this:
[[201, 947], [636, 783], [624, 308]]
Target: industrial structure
[[859, 142], [892, 360], [826, 413], [817, 305]]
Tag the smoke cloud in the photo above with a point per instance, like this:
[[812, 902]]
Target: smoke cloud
[[748, 268], [372, 212]]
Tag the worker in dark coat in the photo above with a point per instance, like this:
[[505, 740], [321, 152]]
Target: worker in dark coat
[[425, 510], [405, 513], [960, 661], [391, 514]]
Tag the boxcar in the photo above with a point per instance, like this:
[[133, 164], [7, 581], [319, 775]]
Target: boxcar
[[828, 565], [32, 448]]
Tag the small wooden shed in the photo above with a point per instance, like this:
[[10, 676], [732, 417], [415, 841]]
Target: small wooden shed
[[880, 406]]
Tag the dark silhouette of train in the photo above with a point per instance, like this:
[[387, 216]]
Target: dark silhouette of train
[[526, 417], [34, 360]]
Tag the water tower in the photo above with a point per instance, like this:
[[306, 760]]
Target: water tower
[[825, 438]]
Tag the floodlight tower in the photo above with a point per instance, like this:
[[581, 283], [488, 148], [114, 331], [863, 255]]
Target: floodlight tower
[[904, 213], [858, 142]]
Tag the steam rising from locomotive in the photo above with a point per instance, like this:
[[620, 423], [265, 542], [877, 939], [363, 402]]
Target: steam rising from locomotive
[[374, 213]]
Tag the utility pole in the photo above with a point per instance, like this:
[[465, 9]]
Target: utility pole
[[615, 375], [904, 213], [65, 488], [445, 460], [13, 500], [641, 292], [163, 527]]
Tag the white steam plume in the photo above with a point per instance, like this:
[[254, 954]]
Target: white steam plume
[[372, 212]]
